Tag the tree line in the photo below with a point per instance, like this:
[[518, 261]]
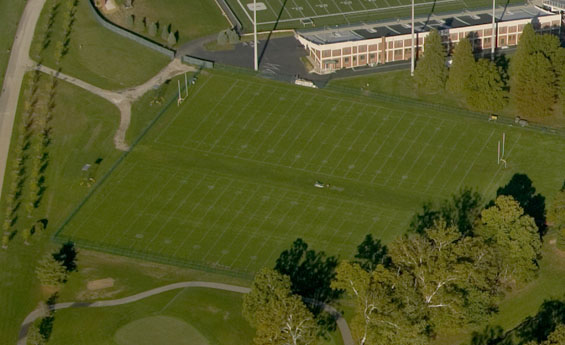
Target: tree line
[[451, 269], [532, 81]]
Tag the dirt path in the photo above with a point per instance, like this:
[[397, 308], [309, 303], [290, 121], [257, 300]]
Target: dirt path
[[123, 99], [18, 64], [34, 315]]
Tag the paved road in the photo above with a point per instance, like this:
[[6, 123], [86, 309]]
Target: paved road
[[18, 64], [34, 315]]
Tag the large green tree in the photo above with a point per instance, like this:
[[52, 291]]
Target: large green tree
[[380, 313], [514, 237], [50, 271], [534, 71], [280, 317], [484, 90], [431, 72], [462, 67]]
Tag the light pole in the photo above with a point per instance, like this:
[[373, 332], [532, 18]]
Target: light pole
[[255, 61], [412, 55], [493, 39]]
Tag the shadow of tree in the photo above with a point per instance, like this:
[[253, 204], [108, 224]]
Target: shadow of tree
[[538, 327], [371, 253], [521, 188], [67, 256], [491, 335]]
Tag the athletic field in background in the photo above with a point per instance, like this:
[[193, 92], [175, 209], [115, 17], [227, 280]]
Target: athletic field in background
[[227, 180], [299, 14]]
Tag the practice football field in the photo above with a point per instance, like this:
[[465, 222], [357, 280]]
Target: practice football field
[[227, 179], [308, 13]]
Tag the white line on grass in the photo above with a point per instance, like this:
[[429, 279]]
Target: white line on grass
[[408, 149], [500, 168], [424, 149], [360, 133], [475, 160], [380, 147]]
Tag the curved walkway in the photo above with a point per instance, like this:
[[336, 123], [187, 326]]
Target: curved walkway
[[123, 99], [34, 315]]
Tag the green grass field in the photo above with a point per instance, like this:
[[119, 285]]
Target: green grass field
[[83, 127], [292, 13], [192, 18], [10, 13], [96, 54], [227, 180]]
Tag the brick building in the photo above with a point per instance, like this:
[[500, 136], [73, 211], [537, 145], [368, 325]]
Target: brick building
[[333, 48]]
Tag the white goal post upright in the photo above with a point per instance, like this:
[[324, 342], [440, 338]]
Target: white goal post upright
[[503, 142], [255, 61], [186, 84], [179, 101]]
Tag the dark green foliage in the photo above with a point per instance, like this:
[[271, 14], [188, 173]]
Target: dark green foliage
[[521, 188], [310, 272], [484, 89], [461, 211], [534, 72], [462, 67], [67, 256], [371, 253], [539, 327], [431, 72]]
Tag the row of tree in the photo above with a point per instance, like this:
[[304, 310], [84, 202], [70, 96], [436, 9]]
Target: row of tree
[[152, 28], [533, 81], [450, 270]]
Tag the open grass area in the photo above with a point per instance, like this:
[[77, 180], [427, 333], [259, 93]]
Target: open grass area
[[10, 13], [293, 13], [96, 55], [83, 126], [227, 179], [192, 18]]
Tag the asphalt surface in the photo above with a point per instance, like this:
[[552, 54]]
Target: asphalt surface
[[34, 315]]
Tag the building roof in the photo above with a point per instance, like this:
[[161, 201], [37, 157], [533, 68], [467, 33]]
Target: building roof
[[361, 31]]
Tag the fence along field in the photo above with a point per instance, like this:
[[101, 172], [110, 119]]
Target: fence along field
[[306, 13], [227, 179]]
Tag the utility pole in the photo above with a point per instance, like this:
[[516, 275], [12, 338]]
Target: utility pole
[[493, 39], [255, 61], [412, 53]]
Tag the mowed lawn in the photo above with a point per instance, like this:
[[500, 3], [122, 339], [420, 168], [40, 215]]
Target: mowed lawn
[[292, 13], [227, 179]]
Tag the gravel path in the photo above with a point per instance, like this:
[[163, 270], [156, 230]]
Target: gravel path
[[34, 315], [123, 99]]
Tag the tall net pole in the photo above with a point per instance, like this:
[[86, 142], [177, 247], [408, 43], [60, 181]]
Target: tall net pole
[[412, 54], [493, 39], [255, 61]]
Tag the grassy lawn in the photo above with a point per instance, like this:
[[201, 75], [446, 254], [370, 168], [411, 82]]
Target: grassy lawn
[[96, 55], [341, 12], [226, 180], [401, 84], [192, 18], [83, 126], [10, 13]]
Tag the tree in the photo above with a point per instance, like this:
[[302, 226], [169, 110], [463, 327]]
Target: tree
[[521, 188], [485, 89], [222, 38], [26, 234], [534, 86], [556, 214], [172, 39], [310, 272], [152, 29], [279, 317], [462, 67], [514, 237], [431, 71], [34, 337], [233, 36], [131, 21], [371, 253], [461, 211], [50, 271], [556, 337], [534, 70], [380, 317], [67, 256], [165, 32]]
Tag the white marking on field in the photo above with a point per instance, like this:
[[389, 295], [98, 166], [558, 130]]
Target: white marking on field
[[138, 235]]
